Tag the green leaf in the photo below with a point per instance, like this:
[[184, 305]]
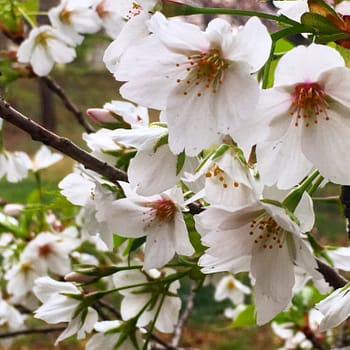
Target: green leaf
[[7, 73], [321, 24], [118, 241], [180, 162], [28, 7], [245, 318], [8, 17], [162, 140]]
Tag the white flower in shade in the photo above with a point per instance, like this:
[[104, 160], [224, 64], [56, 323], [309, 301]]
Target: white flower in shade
[[58, 307], [21, 276], [10, 320], [14, 165], [340, 258], [136, 298], [303, 121], [52, 251], [208, 72], [294, 339], [83, 190], [154, 168], [75, 17], [44, 158], [263, 239], [115, 14], [228, 181], [335, 308], [132, 24], [109, 333], [44, 46], [158, 217], [230, 288]]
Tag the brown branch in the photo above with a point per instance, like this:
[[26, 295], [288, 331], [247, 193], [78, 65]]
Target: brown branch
[[56, 88], [330, 275], [184, 316], [32, 331], [61, 144]]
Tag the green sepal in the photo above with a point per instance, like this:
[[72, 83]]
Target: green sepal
[[163, 140], [245, 318], [180, 161]]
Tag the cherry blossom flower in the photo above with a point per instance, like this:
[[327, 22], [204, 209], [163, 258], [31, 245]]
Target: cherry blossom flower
[[58, 307], [44, 46], [136, 298], [14, 165], [109, 334], [10, 320], [44, 158], [52, 251], [75, 17], [335, 308], [132, 24], [228, 181], [114, 14], [157, 217], [303, 121], [83, 190], [263, 239], [208, 72], [229, 287]]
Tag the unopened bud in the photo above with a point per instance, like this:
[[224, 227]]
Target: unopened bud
[[13, 209], [100, 115], [78, 277], [173, 8]]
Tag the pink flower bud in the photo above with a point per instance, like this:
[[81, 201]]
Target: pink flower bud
[[100, 115], [13, 209]]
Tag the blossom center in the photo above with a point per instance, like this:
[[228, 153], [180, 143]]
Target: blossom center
[[65, 15], [135, 10], [308, 103], [45, 250], [267, 232], [205, 69], [164, 210], [217, 173]]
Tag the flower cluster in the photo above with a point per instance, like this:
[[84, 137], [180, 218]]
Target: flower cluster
[[219, 185]]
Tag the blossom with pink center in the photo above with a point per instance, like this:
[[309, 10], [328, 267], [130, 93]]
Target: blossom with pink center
[[263, 239], [303, 122], [157, 217], [209, 72]]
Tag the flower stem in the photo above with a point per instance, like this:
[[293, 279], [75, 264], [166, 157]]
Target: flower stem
[[172, 8]]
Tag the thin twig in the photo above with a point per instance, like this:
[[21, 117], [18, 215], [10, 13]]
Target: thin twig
[[184, 316], [61, 144], [56, 88], [32, 331], [330, 275]]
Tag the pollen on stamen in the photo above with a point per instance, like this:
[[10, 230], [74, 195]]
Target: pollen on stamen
[[235, 184], [309, 103]]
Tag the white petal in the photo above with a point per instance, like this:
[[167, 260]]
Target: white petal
[[305, 64], [153, 172], [282, 162], [253, 44], [326, 145]]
